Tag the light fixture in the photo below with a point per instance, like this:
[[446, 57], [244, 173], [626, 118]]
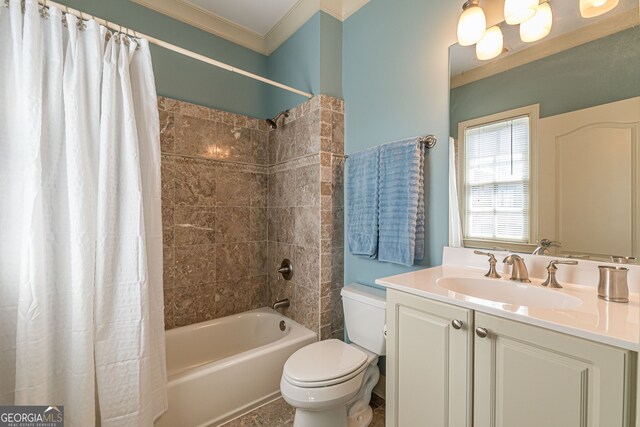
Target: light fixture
[[472, 23], [591, 8], [538, 26], [518, 11], [490, 45]]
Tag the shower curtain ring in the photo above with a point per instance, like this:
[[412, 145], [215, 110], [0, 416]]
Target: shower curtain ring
[[110, 32], [118, 35], [136, 39], [81, 25], [126, 36], [44, 10], [64, 17]]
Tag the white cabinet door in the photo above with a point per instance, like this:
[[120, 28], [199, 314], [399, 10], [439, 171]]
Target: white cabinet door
[[527, 376], [429, 368]]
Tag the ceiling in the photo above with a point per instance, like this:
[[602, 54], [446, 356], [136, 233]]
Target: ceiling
[[260, 25], [259, 16], [566, 19]]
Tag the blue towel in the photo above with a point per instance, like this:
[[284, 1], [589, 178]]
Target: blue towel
[[401, 214], [362, 202]]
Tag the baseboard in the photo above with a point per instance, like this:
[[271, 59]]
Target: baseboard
[[380, 389]]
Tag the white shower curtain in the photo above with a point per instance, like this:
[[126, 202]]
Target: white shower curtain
[[81, 307]]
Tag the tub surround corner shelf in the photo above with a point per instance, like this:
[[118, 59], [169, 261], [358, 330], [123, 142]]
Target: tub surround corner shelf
[[467, 361]]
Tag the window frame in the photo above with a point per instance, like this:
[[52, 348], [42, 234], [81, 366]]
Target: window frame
[[533, 112]]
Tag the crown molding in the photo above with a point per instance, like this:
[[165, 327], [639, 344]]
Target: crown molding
[[341, 9], [295, 18], [549, 47], [332, 7], [291, 22], [349, 7], [207, 21]]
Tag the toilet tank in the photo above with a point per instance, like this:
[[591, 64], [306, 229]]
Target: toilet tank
[[365, 316]]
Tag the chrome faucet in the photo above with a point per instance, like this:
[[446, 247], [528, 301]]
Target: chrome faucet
[[283, 303], [519, 271], [543, 249]]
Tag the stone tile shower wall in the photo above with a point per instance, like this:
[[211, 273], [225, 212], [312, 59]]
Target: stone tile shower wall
[[305, 213], [214, 212], [237, 199]]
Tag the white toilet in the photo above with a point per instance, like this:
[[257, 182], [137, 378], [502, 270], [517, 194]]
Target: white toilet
[[330, 382]]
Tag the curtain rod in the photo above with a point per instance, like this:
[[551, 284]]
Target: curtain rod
[[172, 47]]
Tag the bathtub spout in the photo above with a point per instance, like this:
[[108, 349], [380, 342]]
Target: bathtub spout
[[283, 303]]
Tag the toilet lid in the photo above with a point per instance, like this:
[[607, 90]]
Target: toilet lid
[[324, 360]]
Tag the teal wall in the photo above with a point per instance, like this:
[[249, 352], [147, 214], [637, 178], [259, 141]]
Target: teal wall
[[183, 78], [396, 85], [296, 62], [602, 71], [309, 60], [330, 56]]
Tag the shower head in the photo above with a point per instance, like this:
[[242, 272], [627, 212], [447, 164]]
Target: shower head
[[273, 123]]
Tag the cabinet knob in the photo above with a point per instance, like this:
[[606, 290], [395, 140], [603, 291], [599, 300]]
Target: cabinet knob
[[481, 332], [457, 324]]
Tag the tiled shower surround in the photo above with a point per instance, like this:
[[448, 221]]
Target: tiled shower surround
[[305, 213], [214, 205], [237, 198]]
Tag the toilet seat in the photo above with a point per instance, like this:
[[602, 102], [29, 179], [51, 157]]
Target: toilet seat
[[324, 363], [319, 398]]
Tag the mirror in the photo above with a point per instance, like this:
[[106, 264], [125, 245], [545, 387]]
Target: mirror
[[547, 137]]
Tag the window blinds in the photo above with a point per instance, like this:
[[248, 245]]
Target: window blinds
[[497, 181]]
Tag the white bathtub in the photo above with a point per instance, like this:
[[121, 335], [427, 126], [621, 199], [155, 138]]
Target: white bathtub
[[224, 367]]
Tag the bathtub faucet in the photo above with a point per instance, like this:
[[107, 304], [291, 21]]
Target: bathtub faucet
[[283, 303]]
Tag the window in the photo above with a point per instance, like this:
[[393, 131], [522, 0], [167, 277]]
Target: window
[[496, 177]]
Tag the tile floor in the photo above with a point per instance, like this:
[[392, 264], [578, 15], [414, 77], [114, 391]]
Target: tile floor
[[279, 414], [378, 405]]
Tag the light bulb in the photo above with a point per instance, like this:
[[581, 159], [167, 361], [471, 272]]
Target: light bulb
[[517, 11], [538, 26], [471, 26], [592, 8], [490, 45]]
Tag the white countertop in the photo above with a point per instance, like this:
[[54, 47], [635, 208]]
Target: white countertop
[[610, 323]]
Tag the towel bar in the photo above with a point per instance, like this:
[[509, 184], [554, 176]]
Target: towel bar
[[428, 141]]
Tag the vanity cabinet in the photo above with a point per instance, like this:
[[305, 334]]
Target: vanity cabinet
[[497, 372], [429, 362], [527, 376]]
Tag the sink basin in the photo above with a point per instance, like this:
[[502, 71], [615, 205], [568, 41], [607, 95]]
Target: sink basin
[[509, 292]]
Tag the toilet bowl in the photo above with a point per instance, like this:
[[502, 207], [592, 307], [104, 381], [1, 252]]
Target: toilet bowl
[[330, 382]]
